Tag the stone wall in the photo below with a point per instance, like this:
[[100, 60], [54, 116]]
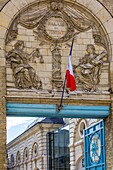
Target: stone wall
[[109, 139], [108, 4], [2, 118], [104, 23]]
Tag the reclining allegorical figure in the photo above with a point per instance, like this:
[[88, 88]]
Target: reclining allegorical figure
[[88, 70], [24, 74]]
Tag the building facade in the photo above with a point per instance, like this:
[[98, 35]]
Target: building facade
[[49, 144], [29, 150]]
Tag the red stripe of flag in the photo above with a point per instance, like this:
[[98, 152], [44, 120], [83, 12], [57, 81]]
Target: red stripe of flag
[[70, 80]]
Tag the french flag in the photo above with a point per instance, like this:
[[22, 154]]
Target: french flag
[[70, 80]]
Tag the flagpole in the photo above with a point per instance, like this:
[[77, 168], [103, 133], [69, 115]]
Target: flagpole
[[62, 93], [61, 100]]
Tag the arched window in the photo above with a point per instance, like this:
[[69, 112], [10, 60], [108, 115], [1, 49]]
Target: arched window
[[26, 154], [35, 150], [18, 159], [82, 125], [12, 160], [80, 163]]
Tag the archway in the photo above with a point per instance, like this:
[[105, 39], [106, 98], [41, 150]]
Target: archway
[[9, 31]]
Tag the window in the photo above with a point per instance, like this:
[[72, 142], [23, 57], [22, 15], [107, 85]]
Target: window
[[26, 154], [58, 151], [80, 165], [81, 128], [12, 160], [35, 150], [18, 160]]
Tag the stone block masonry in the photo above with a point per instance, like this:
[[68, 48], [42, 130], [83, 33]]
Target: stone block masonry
[[3, 163]]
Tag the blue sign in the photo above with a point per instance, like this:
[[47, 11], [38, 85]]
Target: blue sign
[[94, 147]]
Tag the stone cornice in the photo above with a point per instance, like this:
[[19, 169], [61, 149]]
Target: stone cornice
[[91, 100]]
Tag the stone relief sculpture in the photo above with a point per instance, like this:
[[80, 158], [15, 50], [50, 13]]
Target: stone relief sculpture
[[56, 22], [88, 70], [56, 63], [53, 21], [24, 74], [36, 54], [56, 66], [13, 32]]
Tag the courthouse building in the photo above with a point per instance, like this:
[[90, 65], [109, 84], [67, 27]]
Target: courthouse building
[[49, 144], [29, 150], [35, 41]]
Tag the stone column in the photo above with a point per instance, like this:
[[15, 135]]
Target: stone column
[[30, 164], [109, 127], [71, 145], [109, 139], [3, 163], [44, 148], [72, 157]]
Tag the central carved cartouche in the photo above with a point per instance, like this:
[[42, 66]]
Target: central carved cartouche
[[56, 27]]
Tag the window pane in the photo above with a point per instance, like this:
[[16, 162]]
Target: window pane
[[59, 157]]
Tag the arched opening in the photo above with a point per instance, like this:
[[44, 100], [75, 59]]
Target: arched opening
[[37, 77]]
